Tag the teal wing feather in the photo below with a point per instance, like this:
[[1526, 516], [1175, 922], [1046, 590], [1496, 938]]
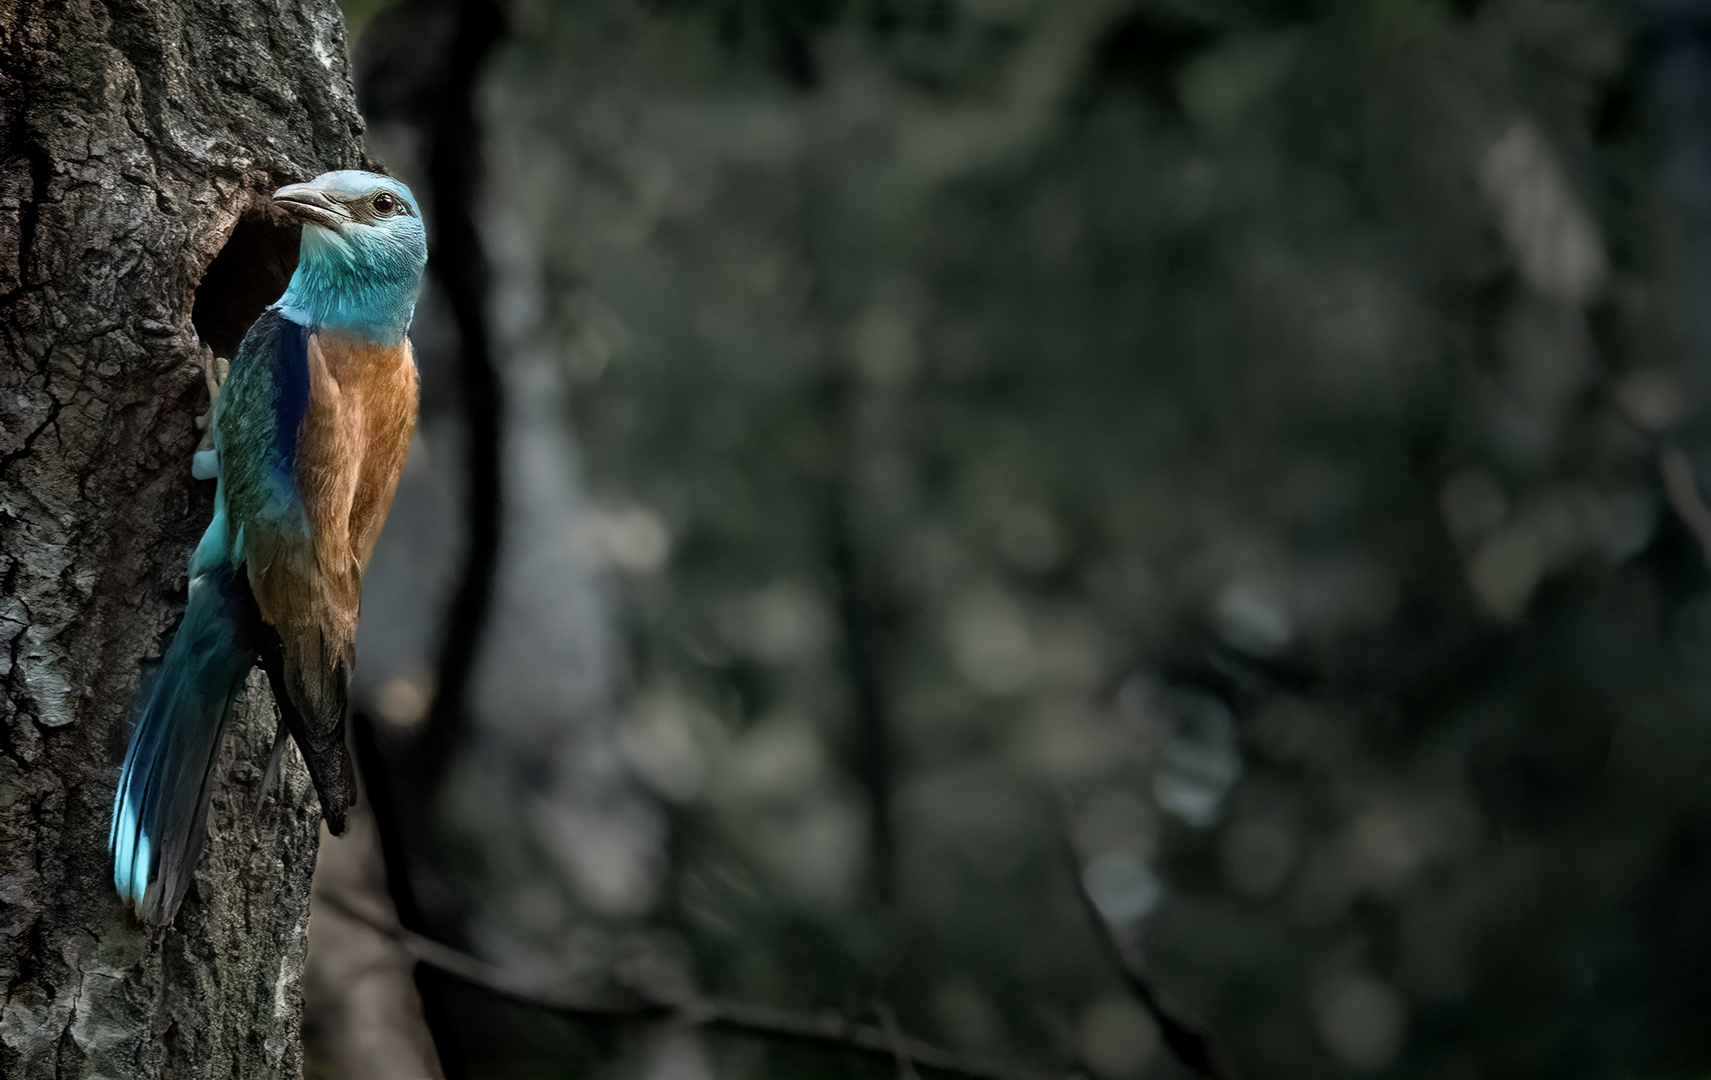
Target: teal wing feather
[[256, 428], [259, 430], [160, 808]]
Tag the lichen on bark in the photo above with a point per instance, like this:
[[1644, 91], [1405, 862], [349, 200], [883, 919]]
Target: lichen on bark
[[134, 134]]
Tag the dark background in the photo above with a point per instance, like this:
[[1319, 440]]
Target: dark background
[[891, 469]]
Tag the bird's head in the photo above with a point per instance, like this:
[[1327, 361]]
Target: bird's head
[[360, 262]]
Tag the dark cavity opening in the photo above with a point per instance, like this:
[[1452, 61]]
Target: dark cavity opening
[[250, 273]]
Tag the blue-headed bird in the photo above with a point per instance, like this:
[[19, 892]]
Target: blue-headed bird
[[310, 430]]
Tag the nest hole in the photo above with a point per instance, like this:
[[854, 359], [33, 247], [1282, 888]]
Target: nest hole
[[250, 272]]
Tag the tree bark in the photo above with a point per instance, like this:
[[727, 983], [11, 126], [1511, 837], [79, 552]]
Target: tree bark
[[136, 138]]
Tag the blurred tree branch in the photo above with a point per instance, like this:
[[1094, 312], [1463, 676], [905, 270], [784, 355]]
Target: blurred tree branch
[[454, 181], [422, 63], [1682, 487], [1191, 1046], [828, 1031], [861, 617]]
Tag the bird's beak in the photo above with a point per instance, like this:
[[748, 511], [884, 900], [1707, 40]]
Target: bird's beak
[[311, 206]]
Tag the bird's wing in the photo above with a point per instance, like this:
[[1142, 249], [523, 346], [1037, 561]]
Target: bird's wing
[[258, 432], [280, 483], [255, 435]]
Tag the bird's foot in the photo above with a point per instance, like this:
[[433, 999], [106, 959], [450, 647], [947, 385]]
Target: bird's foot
[[205, 464]]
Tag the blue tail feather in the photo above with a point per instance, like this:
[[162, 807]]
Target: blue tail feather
[[160, 810]]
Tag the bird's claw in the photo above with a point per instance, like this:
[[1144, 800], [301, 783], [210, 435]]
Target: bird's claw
[[214, 372], [204, 464]]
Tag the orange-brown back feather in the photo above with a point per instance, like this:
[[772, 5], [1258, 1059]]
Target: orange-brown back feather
[[350, 452]]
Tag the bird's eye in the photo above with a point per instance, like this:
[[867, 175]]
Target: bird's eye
[[385, 204]]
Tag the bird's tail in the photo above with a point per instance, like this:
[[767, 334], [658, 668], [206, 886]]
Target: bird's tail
[[161, 808]]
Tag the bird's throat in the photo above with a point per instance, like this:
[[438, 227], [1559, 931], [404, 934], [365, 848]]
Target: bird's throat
[[366, 289]]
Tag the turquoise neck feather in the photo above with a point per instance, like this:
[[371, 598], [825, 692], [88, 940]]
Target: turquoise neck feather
[[365, 284]]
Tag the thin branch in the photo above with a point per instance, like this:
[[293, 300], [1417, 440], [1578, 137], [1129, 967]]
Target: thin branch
[[1192, 1046], [899, 1044], [828, 1031], [1682, 487], [859, 617]]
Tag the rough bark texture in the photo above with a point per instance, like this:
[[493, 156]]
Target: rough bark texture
[[135, 136]]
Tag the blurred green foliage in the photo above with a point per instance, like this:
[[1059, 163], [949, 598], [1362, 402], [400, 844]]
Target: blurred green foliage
[[359, 13], [1227, 421]]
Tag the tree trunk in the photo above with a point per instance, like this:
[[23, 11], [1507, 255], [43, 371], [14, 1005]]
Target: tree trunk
[[138, 137]]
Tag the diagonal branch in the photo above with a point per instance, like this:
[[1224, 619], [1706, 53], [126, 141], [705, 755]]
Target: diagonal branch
[[899, 1044], [1192, 1046], [827, 1031], [1682, 487]]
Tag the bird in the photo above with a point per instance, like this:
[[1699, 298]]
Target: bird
[[310, 430]]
